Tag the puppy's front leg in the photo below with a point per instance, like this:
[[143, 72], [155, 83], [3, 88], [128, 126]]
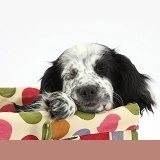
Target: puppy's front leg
[[58, 105]]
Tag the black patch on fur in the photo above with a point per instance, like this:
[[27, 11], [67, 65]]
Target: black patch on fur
[[126, 80], [51, 80]]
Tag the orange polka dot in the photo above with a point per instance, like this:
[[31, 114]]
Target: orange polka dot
[[59, 129]]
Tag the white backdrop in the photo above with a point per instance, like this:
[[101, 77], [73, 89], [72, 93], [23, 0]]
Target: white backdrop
[[34, 32]]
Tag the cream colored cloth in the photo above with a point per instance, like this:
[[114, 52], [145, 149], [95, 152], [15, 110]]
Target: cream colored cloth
[[117, 124]]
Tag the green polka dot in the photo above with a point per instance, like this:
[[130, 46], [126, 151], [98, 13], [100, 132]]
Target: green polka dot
[[7, 92], [133, 108], [31, 117], [85, 116], [134, 135], [46, 131]]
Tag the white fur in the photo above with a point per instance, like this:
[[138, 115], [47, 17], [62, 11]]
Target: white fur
[[82, 58]]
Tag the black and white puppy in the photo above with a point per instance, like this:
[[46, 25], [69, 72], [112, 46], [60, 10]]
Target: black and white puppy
[[91, 78]]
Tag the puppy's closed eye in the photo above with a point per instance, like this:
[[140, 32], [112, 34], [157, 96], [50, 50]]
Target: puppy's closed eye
[[71, 74]]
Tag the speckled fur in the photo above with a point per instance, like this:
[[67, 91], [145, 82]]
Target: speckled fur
[[113, 77]]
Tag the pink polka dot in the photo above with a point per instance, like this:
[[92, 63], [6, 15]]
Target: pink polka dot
[[5, 130], [30, 137], [109, 124]]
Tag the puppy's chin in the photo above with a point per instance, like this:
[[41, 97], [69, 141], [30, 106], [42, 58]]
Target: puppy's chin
[[94, 108]]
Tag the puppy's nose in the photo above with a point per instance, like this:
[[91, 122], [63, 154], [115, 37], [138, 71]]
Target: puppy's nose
[[88, 92]]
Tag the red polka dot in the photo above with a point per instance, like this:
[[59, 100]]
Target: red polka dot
[[30, 137], [8, 108], [29, 94], [97, 136], [131, 127], [5, 130]]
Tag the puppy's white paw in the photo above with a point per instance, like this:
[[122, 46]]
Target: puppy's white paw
[[58, 105]]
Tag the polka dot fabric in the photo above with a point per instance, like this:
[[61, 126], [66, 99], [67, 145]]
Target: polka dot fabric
[[117, 124]]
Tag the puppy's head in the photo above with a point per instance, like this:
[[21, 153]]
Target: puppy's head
[[97, 78]]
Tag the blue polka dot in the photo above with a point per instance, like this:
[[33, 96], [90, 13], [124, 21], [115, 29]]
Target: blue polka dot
[[82, 132]]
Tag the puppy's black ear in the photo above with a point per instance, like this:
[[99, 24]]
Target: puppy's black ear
[[133, 85], [51, 80]]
